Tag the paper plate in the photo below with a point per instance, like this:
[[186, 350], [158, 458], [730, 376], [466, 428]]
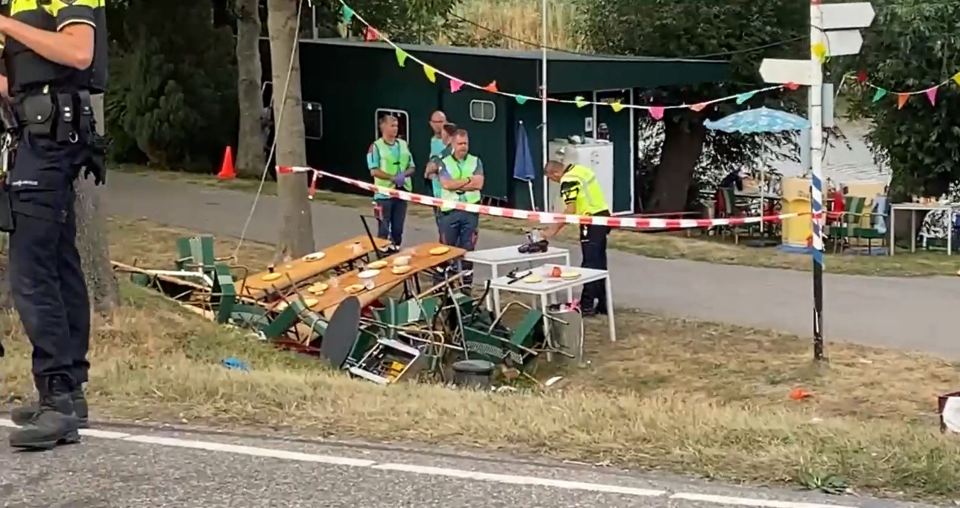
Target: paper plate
[[368, 274], [532, 279], [271, 277], [318, 289], [376, 265], [438, 251], [353, 288], [288, 266], [310, 302], [316, 256], [400, 270], [570, 275]]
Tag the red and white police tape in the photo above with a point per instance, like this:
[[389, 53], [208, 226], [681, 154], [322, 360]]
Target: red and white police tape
[[539, 217]]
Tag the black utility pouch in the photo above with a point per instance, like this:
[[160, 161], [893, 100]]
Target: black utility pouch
[[37, 114], [6, 209]]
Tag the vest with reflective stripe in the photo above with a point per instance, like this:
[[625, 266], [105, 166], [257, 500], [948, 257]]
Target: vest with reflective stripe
[[460, 171], [390, 165], [590, 199]]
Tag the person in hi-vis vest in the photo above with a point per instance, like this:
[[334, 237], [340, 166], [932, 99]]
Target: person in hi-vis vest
[[391, 165], [461, 179], [582, 195]]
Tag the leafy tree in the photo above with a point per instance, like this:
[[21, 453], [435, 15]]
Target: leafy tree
[[412, 21], [173, 84], [912, 45], [682, 28]]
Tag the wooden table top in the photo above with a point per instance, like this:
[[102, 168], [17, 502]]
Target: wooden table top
[[384, 281], [301, 270]]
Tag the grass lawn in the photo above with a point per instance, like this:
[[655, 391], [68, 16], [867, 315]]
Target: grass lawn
[[656, 245], [671, 395]]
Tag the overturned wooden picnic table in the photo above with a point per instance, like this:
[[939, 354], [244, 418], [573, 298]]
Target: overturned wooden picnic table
[[307, 268], [420, 260]]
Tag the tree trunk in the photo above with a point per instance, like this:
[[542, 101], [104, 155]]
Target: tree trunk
[[250, 156], [92, 241], [682, 147], [296, 226]]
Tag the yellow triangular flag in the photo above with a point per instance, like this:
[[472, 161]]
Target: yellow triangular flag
[[956, 77], [819, 50], [431, 73], [617, 106], [581, 102]]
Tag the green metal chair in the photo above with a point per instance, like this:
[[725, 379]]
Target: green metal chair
[[497, 343], [847, 224]]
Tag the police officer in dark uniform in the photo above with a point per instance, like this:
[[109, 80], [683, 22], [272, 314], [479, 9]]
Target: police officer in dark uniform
[[55, 58]]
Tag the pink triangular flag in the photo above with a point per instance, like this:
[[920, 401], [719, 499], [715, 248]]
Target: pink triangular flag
[[656, 112], [932, 95], [699, 107], [455, 85]]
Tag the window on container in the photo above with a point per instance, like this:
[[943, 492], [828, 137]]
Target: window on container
[[483, 111], [403, 122], [312, 120]]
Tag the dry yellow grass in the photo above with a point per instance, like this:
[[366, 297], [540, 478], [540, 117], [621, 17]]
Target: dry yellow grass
[[521, 19], [675, 395]]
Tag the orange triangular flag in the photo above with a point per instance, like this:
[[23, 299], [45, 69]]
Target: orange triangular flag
[[492, 87], [902, 100], [699, 107]]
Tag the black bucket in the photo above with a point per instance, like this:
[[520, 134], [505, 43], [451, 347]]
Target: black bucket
[[473, 373]]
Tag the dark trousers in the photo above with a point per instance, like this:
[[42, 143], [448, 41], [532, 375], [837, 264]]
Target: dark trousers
[[46, 278], [459, 228], [593, 247], [391, 214]]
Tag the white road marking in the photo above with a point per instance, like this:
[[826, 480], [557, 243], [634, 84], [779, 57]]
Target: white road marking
[[520, 480], [745, 501], [250, 450], [439, 471]]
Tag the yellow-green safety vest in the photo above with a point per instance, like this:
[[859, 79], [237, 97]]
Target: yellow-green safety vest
[[459, 171], [391, 166], [590, 200]]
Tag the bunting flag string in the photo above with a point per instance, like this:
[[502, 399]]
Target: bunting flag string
[[902, 97], [456, 84]]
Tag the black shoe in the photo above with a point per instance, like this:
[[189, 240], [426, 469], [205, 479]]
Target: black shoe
[[23, 414], [55, 421]]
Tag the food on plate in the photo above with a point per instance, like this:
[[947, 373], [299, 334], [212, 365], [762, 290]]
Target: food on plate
[[401, 261], [439, 251], [310, 302], [318, 288], [271, 277], [316, 256], [532, 279], [353, 288], [555, 272], [400, 270], [377, 264], [368, 274], [570, 275]]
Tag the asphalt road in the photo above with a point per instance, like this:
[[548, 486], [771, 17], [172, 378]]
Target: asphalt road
[[912, 314], [136, 467]]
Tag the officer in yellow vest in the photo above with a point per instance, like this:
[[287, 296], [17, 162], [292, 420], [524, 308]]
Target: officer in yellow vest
[[391, 166], [461, 179], [55, 59], [581, 195]]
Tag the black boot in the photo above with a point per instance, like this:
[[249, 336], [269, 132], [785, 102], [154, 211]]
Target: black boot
[[55, 422], [23, 414]]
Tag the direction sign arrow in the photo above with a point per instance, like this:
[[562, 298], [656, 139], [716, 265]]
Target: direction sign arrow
[[850, 15], [774, 70], [843, 42]]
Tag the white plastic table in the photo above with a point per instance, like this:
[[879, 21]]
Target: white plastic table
[[913, 208], [511, 256], [548, 286]]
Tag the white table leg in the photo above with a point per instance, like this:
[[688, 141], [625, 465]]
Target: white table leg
[[496, 292], [949, 221], [548, 340], [610, 306], [893, 220], [569, 290], [913, 231]]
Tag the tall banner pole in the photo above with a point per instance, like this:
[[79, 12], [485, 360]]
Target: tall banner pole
[[816, 166], [543, 105]]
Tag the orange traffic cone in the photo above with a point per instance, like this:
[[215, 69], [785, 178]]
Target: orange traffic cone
[[227, 170]]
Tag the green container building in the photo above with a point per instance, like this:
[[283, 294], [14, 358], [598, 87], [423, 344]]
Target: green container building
[[347, 85]]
